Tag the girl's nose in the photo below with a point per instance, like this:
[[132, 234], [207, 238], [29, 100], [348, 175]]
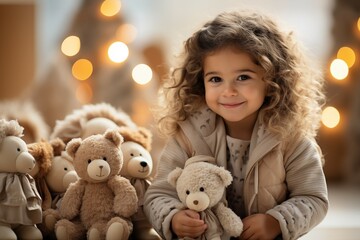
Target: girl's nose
[[230, 90]]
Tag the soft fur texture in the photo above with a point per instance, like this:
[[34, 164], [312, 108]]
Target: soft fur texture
[[74, 124], [99, 204], [138, 166], [200, 186], [20, 203]]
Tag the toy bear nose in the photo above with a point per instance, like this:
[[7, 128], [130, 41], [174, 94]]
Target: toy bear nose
[[196, 202], [101, 167], [143, 164]]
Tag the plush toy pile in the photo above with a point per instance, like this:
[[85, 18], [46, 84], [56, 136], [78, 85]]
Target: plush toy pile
[[85, 179]]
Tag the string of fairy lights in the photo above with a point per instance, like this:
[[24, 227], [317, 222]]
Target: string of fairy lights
[[117, 52], [340, 69]]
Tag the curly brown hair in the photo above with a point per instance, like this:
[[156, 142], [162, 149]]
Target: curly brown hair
[[294, 89]]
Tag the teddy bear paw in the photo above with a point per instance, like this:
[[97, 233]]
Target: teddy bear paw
[[93, 234], [7, 233], [115, 231], [61, 233], [28, 232]]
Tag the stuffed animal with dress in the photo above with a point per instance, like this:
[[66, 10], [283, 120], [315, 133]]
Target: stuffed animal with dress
[[89, 120], [98, 205], [138, 167], [200, 186], [20, 202]]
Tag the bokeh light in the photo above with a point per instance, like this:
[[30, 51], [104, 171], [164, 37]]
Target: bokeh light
[[358, 24], [110, 8], [142, 74], [71, 46], [348, 55], [84, 93], [126, 33], [82, 69], [330, 117], [339, 69], [118, 52]]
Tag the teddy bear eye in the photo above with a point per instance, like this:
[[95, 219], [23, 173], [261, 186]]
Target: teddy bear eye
[[131, 154], [140, 155], [202, 189], [187, 192], [104, 158], [89, 161], [18, 149], [65, 168]]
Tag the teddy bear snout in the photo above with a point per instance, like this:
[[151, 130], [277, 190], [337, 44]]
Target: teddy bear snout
[[99, 169], [197, 201], [25, 162]]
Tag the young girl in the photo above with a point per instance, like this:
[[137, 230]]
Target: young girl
[[245, 95]]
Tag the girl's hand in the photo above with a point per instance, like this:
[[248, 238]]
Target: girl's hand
[[187, 223], [260, 226]]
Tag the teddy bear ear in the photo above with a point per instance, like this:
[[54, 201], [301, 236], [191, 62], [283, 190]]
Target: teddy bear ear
[[73, 146], [114, 136], [58, 146], [174, 175], [225, 176]]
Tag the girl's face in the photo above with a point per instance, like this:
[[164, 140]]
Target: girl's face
[[234, 86]]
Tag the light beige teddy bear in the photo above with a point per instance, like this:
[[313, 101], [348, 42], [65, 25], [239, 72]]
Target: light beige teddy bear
[[101, 202], [200, 186]]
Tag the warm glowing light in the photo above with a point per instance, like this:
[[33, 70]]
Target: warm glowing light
[[339, 69], [84, 93], [126, 33], [348, 55], [358, 24], [330, 117], [142, 74], [118, 52], [82, 69], [110, 7], [71, 46]]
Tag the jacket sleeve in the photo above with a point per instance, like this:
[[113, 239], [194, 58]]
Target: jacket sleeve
[[307, 202], [161, 200]]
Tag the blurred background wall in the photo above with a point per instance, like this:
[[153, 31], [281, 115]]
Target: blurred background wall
[[60, 55]]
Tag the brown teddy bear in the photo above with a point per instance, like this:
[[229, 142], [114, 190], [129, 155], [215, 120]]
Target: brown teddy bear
[[138, 166], [89, 120], [101, 202]]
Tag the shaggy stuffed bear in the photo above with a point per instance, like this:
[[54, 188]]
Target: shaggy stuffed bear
[[200, 186], [101, 202]]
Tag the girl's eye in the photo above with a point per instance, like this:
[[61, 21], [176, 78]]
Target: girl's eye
[[243, 77], [215, 79]]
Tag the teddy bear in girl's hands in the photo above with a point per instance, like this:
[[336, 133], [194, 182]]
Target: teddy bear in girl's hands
[[200, 186]]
